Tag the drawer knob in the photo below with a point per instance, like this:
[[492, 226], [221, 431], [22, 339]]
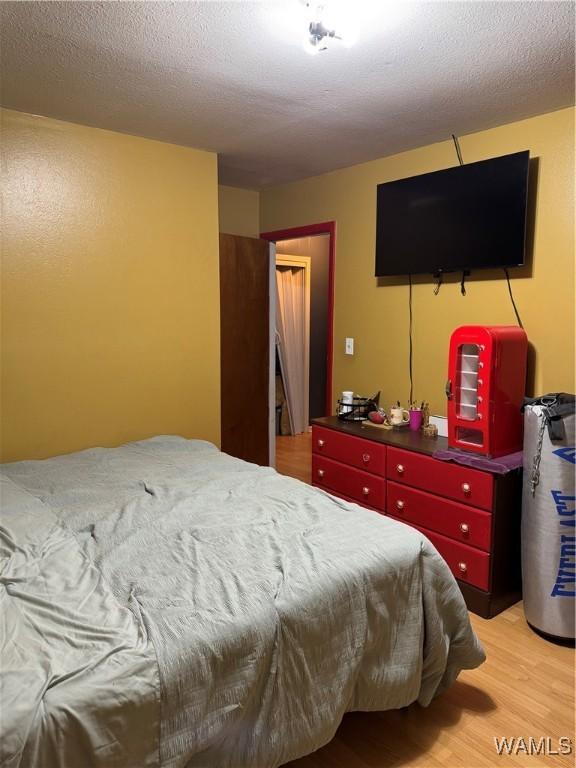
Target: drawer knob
[[400, 469], [466, 487], [320, 473], [320, 443], [365, 490], [399, 504], [462, 567], [365, 458], [464, 527]]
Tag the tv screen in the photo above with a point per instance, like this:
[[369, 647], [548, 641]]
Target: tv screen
[[469, 217]]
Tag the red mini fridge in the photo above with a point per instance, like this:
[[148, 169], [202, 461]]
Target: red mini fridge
[[485, 389]]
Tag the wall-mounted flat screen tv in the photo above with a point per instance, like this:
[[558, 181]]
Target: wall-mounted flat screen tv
[[469, 217]]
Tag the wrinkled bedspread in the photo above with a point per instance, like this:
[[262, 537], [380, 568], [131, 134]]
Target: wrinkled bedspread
[[165, 604]]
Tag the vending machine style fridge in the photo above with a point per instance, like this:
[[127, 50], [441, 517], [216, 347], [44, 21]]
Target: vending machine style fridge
[[485, 389]]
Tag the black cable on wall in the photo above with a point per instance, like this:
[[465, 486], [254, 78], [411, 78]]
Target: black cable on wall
[[410, 339], [458, 152], [512, 297]]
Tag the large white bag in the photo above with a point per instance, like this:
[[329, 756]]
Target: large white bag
[[548, 515]]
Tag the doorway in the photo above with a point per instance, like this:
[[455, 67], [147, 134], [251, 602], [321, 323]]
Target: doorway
[[293, 343], [317, 243]]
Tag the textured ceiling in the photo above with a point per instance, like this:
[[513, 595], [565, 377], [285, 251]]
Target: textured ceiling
[[233, 77]]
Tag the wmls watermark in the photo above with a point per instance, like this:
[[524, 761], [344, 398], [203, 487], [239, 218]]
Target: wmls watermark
[[531, 746]]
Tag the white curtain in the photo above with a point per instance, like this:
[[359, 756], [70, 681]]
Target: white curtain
[[291, 342]]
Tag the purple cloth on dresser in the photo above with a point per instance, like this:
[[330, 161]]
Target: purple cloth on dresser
[[500, 466]]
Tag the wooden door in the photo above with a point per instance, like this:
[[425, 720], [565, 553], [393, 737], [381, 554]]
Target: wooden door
[[245, 347]]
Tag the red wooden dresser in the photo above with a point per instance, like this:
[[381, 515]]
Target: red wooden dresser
[[472, 517]]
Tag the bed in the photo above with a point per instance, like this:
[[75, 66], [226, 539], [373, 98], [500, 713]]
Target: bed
[[164, 604]]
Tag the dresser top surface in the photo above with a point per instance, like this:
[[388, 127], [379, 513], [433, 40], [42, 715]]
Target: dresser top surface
[[397, 438]]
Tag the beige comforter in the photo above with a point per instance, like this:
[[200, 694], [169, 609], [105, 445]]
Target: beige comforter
[[165, 604]]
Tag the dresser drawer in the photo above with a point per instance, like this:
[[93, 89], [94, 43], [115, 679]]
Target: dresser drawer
[[466, 563], [353, 501], [457, 521], [451, 480], [355, 451], [347, 481]]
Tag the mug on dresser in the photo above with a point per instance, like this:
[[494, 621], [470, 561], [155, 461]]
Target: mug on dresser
[[399, 415], [347, 397], [416, 418]]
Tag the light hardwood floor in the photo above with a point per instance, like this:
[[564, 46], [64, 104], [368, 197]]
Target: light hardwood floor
[[525, 689]]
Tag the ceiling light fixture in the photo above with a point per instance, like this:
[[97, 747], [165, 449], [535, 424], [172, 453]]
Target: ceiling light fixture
[[328, 22], [319, 34]]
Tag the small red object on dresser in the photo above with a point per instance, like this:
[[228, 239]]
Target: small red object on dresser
[[485, 389]]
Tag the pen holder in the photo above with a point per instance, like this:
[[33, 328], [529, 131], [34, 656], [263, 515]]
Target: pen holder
[[415, 419]]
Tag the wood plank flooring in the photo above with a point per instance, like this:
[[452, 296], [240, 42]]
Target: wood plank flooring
[[293, 456], [525, 689]]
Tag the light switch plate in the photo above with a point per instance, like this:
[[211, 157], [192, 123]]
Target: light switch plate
[[349, 346]]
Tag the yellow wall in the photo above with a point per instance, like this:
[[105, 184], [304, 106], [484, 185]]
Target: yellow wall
[[110, 319], [376, 315], [239, 211]]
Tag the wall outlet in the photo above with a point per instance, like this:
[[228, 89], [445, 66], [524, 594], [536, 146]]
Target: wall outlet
[[349, 346]]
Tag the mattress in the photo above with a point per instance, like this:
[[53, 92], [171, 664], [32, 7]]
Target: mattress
[[164, 604]]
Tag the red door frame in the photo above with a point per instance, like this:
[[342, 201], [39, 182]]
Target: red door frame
[[324, 228]]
